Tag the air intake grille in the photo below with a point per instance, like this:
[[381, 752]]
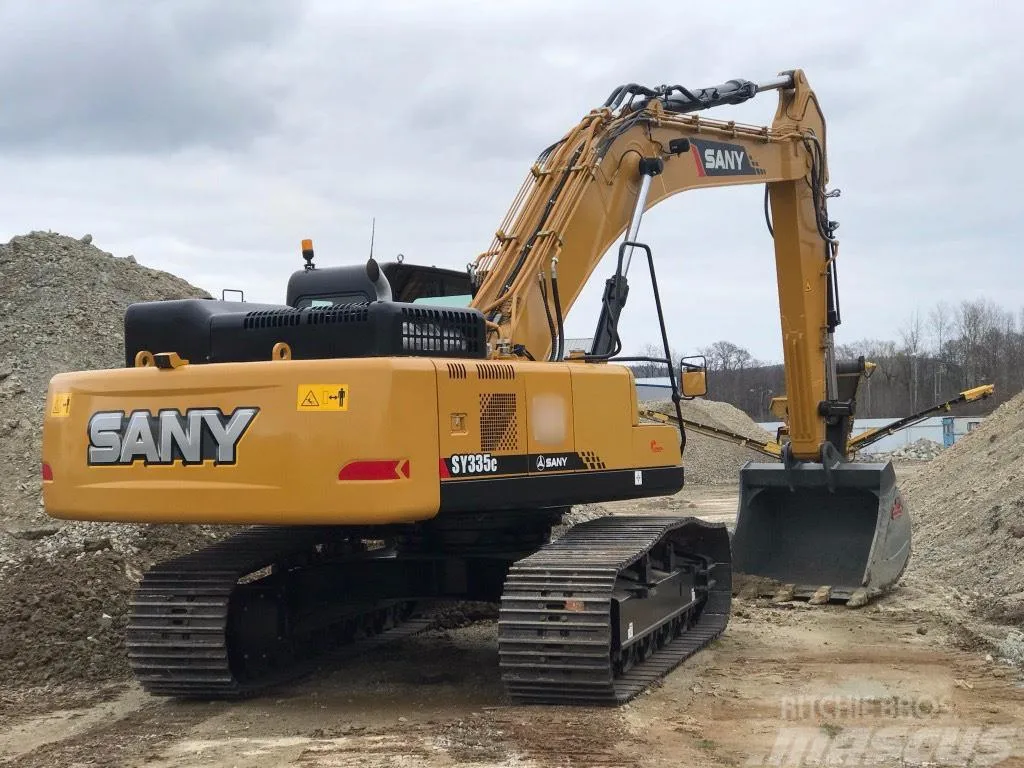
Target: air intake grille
[[283, 318], [498, 422], [441, 331], [272, 318], [456, 371], [339, 313], [495, 371]]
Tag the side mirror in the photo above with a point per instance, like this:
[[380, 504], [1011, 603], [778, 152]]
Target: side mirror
[[693, 379]]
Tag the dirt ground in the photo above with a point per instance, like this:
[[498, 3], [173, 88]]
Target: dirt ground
[[791, 684]]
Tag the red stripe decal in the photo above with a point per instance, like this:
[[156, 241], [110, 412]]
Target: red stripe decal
[[387, 469], [696, 158], [442, 468]]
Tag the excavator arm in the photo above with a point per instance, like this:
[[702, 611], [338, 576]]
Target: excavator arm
[[640, 148], [808, 518]]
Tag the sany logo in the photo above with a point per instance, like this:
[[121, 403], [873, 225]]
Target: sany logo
[[728, 159], [719, 158], [551, 462], [198, 435]]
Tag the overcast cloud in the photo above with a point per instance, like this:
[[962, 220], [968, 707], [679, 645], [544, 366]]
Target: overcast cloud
[[208, 139]]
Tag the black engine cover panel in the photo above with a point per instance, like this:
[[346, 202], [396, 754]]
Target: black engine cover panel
[[205, 331]]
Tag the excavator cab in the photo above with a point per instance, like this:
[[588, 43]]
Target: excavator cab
[[392, 281], [834, 529]]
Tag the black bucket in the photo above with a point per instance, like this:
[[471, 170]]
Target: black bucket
[[845, 527]]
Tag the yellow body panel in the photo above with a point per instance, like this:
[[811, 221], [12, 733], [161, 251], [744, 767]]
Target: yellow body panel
[[406, 415], [549, 395], [288, 459], [467, 391], [601, 408]]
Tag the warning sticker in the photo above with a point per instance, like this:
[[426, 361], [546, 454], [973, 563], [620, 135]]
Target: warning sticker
[[61, 405], [322, 397]]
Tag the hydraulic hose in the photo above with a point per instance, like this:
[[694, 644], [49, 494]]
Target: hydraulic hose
[[558, 308]]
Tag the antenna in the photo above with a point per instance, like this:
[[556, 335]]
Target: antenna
[[373, 230]]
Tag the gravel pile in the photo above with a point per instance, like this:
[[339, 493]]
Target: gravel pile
[[64, 585], [708, 460], [62, 304], [967, 509], [921, 449]]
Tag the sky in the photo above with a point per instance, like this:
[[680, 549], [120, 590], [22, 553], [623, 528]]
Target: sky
[[207, 139]]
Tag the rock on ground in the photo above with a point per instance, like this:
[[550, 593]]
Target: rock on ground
[[65, 613], [921, 449], [708, 460]]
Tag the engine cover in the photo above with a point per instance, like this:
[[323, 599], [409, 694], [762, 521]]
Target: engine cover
[[205, 331]]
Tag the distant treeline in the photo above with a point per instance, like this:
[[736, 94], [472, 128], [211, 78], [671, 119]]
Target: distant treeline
[[936, 355]]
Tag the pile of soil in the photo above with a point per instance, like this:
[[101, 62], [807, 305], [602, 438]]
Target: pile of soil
[[62, 304], [967, 508], [65, 616], [708, 460], [64, 586]]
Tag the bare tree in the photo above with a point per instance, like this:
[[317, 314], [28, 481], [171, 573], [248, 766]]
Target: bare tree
[[975, 322], [726, 356], [948, 347], [655, 369], [912, 337], [940, 323]]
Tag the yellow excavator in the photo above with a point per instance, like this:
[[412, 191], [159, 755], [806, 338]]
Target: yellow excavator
[[396, 433]]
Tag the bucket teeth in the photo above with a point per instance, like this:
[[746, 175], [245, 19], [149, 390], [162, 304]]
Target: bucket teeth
[[821, 596], [858, 599], [784, 594]]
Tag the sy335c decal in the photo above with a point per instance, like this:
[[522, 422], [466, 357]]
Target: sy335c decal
[[478, 464]]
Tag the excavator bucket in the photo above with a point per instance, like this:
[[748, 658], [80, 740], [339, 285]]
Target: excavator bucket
[[844, 528]]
